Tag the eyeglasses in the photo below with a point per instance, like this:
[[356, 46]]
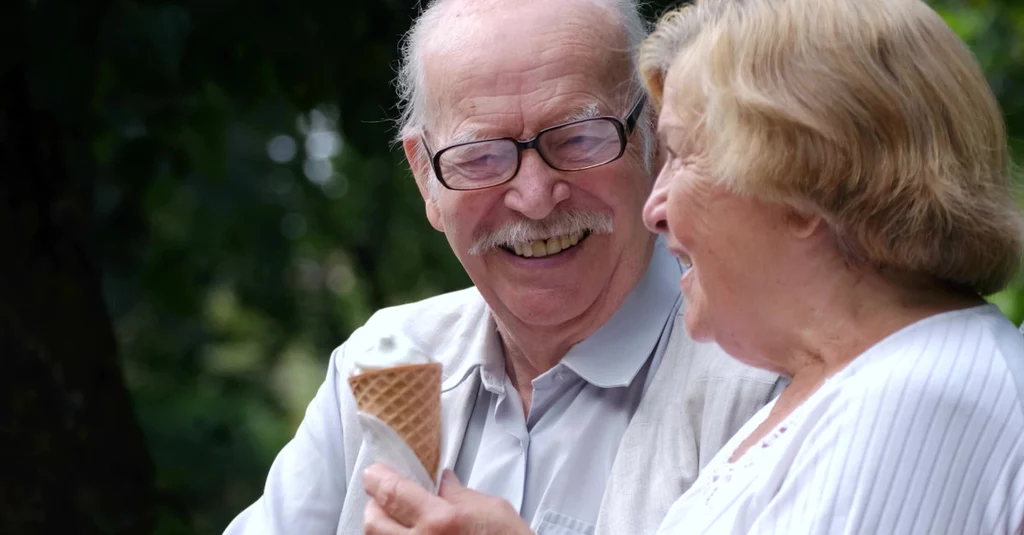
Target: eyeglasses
[[574, 146]]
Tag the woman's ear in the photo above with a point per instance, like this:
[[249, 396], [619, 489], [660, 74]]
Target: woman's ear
[[419, 162], [804, 224]]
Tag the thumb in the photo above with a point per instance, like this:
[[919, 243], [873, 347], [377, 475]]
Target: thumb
[[451, 488]]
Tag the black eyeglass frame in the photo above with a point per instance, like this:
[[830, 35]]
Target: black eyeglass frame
[[624, 127]]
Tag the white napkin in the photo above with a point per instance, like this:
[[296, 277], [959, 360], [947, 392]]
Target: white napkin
[[383, 445]]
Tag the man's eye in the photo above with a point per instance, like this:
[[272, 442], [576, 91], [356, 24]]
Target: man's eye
[[479, 160], [582, 141]]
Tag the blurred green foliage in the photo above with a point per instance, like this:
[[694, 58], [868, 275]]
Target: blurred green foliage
[[251, 211]]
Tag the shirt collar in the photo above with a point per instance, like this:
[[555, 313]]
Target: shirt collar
[[473, 344], [492, 366], [612, 356]]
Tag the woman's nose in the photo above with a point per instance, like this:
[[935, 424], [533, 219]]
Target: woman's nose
[[655, 208]]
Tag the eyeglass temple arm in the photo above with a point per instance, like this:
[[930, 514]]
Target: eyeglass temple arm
[[426, 146], [634, 114]]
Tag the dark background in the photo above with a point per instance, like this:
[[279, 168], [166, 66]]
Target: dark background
[[198, 202]]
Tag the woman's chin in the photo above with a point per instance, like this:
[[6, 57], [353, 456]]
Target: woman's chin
[[695, 326]]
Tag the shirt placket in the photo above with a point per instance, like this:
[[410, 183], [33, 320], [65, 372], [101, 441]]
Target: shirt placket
[[508, 414]]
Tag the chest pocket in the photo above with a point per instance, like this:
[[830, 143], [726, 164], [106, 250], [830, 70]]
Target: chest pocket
[[553, 523]]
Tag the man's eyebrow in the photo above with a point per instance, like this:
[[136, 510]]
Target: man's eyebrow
[[465, 136], [586, 111]]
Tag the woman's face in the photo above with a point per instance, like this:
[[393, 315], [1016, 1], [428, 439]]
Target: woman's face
[[741, 250]]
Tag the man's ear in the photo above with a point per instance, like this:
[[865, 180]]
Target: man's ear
[[419, 162]]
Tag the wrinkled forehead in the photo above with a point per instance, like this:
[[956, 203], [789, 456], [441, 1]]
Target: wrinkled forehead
[[512, 72]]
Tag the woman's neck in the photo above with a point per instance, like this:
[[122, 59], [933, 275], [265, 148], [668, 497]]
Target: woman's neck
[[840, 322], [853, 312]]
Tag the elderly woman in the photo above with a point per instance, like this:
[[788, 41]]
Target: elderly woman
[[836, 175]]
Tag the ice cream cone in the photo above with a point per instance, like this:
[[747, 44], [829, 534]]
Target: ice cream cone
[[408, 399]]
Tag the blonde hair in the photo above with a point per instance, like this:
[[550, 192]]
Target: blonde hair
[[870, 113]]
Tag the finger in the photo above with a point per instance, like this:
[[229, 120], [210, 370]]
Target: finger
[[377, 522], [403, 500], [451, 488], [495, 515]]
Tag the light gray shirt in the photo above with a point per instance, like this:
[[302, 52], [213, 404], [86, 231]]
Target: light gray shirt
[[694, 399], [552, 464]]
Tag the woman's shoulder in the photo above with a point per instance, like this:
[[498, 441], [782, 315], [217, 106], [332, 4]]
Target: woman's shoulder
[[932, 419], [949, 369]]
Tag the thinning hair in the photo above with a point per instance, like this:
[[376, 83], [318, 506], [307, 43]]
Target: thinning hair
[[870, 113], [410, 82]]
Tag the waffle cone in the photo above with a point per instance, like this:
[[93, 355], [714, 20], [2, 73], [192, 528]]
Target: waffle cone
[[407, 399]]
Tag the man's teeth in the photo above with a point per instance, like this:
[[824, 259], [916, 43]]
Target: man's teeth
[[550, 246]]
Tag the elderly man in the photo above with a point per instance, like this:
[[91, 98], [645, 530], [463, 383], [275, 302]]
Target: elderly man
[[569, 389]]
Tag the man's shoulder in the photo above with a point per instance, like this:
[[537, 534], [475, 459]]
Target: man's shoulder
[[725, 384], [710, 384], [431, 325], [713, 363], [709, 362]]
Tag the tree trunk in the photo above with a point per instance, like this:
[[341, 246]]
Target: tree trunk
[[74, 458]]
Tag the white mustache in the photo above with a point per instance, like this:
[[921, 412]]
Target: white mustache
[[557, 224]]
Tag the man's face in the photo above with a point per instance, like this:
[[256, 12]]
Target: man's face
[[510, 73]]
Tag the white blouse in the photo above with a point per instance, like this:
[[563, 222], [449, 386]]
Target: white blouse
[[921, 434]]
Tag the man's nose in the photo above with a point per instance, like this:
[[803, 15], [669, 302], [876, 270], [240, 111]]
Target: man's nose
[[655, 217], [537, 189]]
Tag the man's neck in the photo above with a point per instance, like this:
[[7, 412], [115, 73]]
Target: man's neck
[[529, 356], [531, 350]]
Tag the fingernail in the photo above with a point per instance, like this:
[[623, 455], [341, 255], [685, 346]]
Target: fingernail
[[371, 475]]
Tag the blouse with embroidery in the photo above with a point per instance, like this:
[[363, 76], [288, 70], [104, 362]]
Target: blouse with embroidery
[[921, 434]]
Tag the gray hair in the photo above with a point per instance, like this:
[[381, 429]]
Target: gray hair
[[410, 80]]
